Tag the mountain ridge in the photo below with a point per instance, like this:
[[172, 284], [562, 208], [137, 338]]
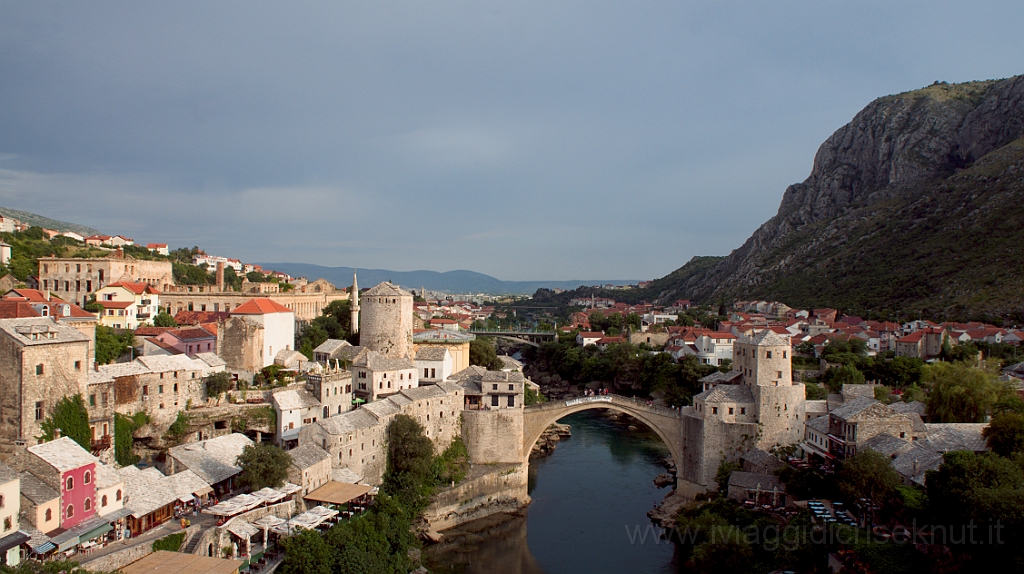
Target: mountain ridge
[[36, 220], [458, 281], [914, 181]]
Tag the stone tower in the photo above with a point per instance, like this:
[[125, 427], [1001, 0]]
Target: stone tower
[[780, 405], [387, 321], [354, 298]]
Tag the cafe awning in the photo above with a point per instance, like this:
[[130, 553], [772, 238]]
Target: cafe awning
[[96, 531], [338, 492]]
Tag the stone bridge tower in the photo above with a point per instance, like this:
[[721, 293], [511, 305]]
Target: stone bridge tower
[[387, 321]]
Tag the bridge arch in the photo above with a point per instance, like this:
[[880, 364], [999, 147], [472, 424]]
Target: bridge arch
[[664, 421]]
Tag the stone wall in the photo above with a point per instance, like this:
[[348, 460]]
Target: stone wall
[[781, 414], [489, 491], [385, 325], [649, 338], [240, 344], [493, 436]]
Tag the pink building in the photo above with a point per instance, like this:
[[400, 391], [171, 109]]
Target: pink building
[[189, 340], [69, 469]]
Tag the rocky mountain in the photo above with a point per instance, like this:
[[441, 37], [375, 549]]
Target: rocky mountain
[[912, 207]]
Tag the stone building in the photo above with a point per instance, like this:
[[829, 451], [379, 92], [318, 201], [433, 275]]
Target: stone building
[[333, 388], [456, 343], [278, 322], [490, 390], [40, 503], [434, 364], [306, 303], [10, 511], [75, 278], [295, 408], [335, 351], [69, 469], [127, 304], [759, 408], [160, 385], [310, 468], [861, 419], [376, 375], [41, 361], [355, 439], [386, 320]]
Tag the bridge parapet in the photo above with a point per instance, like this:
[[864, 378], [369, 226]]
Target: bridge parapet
[[631, 402]]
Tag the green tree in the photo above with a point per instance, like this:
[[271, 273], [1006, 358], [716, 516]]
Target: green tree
[[124, 436], [835, 377], [725, 552], [69, 418], [959, 393], [980, 489], [263, 464], [1005, 434], [218, 384], [307, 553], [110, 344], [725, 468], [164, 319], [483, 353], [870, 474]]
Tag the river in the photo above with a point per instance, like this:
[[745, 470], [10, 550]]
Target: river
[[588, 497]]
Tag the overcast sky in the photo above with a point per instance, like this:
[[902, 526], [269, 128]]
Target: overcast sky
[[526, 140]]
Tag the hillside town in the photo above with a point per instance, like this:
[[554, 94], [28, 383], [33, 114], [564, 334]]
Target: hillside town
[[167, 420]]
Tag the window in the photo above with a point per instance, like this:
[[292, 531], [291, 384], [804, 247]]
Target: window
[[70, 512], [175, 387], [743, 410], [88, 504], [39, 410], [7, 523], [714, 410], [768, 354], [92, 400], [160, 389], [511, 387], [730, 410], [48, 516], [69, 484], [117, 495], [495, 387], [39, 369], [78, 365], [88, 477], [778, 374], [783, 354], [511, 400], [494, 400], [145, 389], [103, 399], [1, 501], [103, 501]]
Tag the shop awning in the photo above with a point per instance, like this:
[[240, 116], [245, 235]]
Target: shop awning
[[13, 539], [96, 532], [65, 540], [44, 548], [338, 492], [117, 514]]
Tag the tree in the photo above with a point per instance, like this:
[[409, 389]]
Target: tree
[[961, 394], [217, 384], [124, 436], [726, 552], [164, 319], [69, 418], [263, 465], [836, 377], [725, 468], [482, 353], [110, 344], [1005, 434], [307, 553], [870, 474]]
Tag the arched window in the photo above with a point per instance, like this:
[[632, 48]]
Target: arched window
[[69, 484], [118, 495], [49, 514], [88, 504], [70, 511], [88, 477], [103, 501]]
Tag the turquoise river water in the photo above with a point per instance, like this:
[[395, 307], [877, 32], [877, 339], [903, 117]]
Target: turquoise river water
[[589, 511]]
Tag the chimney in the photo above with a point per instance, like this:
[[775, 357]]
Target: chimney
[[96, 366], [220, 275]]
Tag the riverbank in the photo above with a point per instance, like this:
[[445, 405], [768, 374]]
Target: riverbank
[[486, 490]]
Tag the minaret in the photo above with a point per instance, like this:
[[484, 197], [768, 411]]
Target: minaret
[[354, 297]]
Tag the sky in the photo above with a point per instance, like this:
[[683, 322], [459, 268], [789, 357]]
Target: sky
[[526, 140]]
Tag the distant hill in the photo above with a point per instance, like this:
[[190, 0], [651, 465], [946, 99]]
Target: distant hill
[[40, 221], [914, 207], [449, 281]]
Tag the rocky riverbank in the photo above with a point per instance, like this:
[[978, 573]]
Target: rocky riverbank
[[550, 438]]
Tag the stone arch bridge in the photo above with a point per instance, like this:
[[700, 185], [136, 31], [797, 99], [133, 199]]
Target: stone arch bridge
[[664, 421]]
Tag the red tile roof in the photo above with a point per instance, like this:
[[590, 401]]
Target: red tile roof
[[115, 304], [33, 295], [147, 331], [16, 309], [261, 306], [190, 334], [199, 317], [134, 287]]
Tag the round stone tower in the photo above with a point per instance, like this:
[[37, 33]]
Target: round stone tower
[[386, 320]]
